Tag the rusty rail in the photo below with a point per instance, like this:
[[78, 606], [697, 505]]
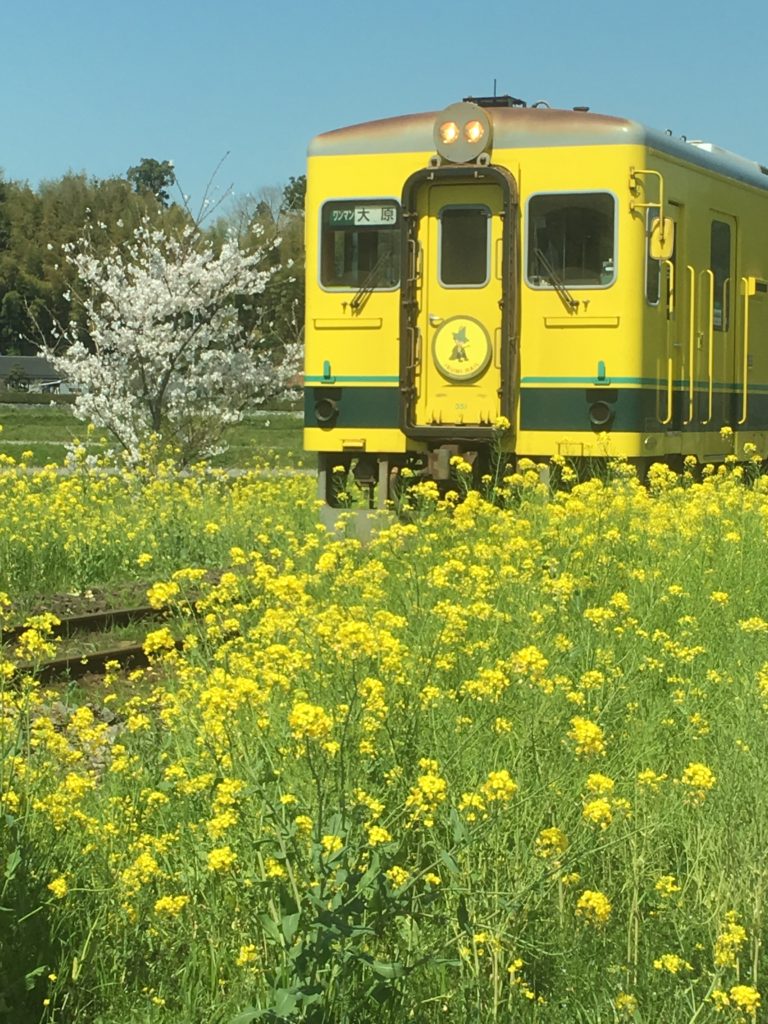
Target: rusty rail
[[74, 665]]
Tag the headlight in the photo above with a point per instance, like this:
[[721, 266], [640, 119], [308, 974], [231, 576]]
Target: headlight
[[326, 410], [474, 131], [448, 132]]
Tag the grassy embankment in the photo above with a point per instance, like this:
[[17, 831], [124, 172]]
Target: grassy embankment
[[46, 430]]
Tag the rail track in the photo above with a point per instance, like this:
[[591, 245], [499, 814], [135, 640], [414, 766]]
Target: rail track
[[94, 653]]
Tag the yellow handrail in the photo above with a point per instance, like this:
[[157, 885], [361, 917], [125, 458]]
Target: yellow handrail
[[670, 308], [668, 418], [671, 269], [745, 363], [639, 172], [691, 340], [710, 343]]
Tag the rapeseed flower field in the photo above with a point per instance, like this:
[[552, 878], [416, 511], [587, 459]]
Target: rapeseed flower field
[[505, 761]]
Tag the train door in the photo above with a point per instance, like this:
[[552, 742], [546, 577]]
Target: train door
[[712, 329], [667, 289], [721, 306], [459, 321]]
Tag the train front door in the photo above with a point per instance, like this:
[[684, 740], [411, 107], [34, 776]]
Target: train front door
[[460, 316]]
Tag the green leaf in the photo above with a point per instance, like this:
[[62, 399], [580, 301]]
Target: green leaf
[[247, 1016], [30, 979], [449, 862], [462, 916], [458, 827], [270, 927], [289, 924], [366, 880], [389, 971], [285, 1003], [11, 863]]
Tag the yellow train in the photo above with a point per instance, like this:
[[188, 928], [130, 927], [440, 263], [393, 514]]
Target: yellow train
[[600, 285]]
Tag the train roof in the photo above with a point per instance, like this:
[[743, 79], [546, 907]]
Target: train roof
[[527, 127]]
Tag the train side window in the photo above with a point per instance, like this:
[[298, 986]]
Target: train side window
[[653, 267], [720, 264], [464, 246], [572, 240], [360, 244]]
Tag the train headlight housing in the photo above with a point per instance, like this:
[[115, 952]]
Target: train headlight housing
[[326, 410], [600, 415], [462, 133], [474, 131], [448, 132]]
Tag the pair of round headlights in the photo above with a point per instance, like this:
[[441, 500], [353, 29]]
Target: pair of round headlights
[[462, 132], [449, 131]]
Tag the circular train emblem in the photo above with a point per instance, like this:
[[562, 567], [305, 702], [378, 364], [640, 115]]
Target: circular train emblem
[[461, 348]]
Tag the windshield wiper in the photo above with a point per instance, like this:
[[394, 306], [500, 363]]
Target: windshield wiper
[[370, 281], [557, 282]]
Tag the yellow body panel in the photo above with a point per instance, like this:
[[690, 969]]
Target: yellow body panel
[[352, 441]]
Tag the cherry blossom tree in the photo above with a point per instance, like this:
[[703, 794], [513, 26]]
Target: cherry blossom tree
[[166, 353]]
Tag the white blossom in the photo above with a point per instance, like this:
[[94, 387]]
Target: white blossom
[[168, 355]]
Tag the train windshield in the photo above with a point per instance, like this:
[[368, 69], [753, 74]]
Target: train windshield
[[360, 244], [572, 240]]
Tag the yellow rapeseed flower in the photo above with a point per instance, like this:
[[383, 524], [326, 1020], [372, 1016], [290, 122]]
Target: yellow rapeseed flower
[[698, 779], [59, 887], [309, 721], [666, 885], [599, 783], [499, 786], [729, 941], [651, 780], [331, 844], [598, 812], [587, 736], [378, 835], [625, 1004], [594, 907], [472, 806], [427, 795], [397, 876], [746, 997], [171, 906], [247, 955], [550, 842], [671, 963], [222, 858]]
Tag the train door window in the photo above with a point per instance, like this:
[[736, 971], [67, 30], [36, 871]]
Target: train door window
[[653, 267], [720, 264], [360, 244], [572, 240], [464, 246]]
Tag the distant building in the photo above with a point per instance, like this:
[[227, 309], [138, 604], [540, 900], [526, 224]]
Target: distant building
[[30, 373]]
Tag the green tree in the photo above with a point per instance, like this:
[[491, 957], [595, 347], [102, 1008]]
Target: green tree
[[275, 216], [294, 194], [37, 285], [153, 176]]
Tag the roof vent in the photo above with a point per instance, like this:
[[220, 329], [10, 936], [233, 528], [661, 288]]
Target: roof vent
[[495, 101]]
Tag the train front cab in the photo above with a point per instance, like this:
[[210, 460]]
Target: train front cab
[[434, 355]]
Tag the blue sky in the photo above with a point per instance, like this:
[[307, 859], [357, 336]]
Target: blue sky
[[95, 86]]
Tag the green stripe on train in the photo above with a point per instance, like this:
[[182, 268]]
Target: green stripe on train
[[556, 408]]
